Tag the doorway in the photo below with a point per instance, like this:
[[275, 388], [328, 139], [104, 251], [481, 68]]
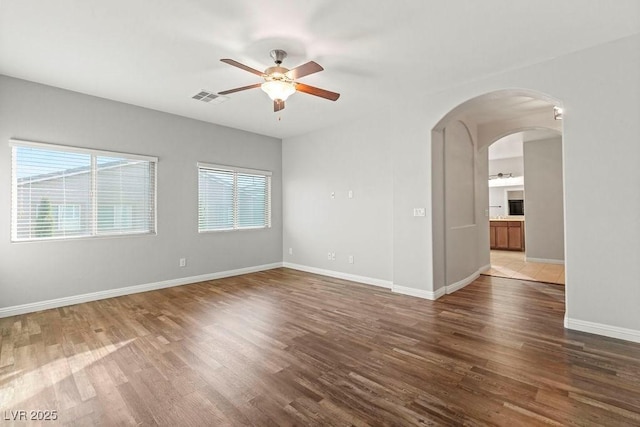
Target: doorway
[[460, 167], [526, 243]]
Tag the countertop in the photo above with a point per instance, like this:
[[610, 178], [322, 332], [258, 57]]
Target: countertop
[[508, 219]]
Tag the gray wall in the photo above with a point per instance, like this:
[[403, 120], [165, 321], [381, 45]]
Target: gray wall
[[461, 234], [482, 215], [37, 271], [544, 208], [349, 158]]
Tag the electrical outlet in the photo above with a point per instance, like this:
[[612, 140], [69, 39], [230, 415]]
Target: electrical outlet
[[329, 256], [419, 211], [350, 259], [333, 256], [350, 194], [290, 251], [183, 262]]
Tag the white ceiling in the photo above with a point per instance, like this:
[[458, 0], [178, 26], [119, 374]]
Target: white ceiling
[[509, 108], [158, 53], [512, 145], [507, 147]]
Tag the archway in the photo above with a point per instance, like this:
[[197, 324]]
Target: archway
[[459, 159]]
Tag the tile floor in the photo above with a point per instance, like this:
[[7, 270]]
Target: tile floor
[[512, 264]]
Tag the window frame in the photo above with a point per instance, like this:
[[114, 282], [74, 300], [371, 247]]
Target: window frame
[[94, 153], [236, 170]]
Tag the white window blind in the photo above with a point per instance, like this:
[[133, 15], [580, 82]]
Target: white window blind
[[232, 198], [123, 197], [65, 192]]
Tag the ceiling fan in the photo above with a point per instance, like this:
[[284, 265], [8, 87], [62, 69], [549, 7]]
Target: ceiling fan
[[280, 82]]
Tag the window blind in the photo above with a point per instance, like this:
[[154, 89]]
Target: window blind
[[232, 198], [123, 198], [216, 200], [65, 192]]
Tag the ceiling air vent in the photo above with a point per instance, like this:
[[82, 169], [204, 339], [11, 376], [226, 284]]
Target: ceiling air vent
[[209, 97]]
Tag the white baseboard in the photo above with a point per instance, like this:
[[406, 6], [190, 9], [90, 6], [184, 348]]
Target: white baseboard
[[484, 268], [339, 275], [110, 293], [420, 293], [602, 329], [449, 289], [466, 281], [543, 260]]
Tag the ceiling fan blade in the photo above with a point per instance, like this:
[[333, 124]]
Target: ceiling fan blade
[[238, 89], [312, 90], [278, 105], [242, 66], [304, 70]]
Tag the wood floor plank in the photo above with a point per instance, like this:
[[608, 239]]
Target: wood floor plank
[[284, 347]]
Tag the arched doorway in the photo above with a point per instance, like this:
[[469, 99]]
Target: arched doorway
[[526, 206], [459, 150]]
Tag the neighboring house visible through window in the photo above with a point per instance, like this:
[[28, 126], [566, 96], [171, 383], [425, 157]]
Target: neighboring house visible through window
[[69, 217], [231, 198], [115, 217], [64, 192]]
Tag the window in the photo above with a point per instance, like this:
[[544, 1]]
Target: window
[[64, 192], [69, 217], [232, 198], [115, 217]]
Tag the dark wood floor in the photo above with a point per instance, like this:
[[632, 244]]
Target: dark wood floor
[[284, 347]]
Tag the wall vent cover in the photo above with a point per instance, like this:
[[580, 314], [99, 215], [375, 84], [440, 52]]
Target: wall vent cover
[[209, 97]]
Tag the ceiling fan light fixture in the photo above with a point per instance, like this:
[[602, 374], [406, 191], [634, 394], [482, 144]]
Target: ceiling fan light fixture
[[278, 89]]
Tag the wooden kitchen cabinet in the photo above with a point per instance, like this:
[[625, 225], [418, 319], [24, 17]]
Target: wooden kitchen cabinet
[[516, 235], [506, 235], [502, 235], [492, 237]]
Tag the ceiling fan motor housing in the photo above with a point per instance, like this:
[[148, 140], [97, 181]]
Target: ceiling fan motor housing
[[278, 55]]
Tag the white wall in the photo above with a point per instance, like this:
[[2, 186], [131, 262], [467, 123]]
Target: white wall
[[350, 158], [513, 165], [37, 271], [600, 91], [498, 195], [544, 207], [497, 202]]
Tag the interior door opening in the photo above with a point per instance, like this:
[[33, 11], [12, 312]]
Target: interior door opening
[[461, 209], [526, 167]]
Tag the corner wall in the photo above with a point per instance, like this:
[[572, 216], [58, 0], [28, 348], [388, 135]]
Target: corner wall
[[544, 204], [319, 215], [39, 271]]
